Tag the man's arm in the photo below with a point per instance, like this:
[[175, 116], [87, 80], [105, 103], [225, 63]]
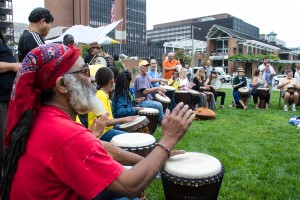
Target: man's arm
[[120, 155], [6, 67], [133, 181]]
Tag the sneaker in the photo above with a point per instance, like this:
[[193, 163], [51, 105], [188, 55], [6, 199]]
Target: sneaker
[[293, 107], [285, 108]]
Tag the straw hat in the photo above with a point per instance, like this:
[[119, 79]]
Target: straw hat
[[94, 45], [240, 69], [144, 63]]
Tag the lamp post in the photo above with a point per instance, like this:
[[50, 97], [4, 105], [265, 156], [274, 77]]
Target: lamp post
[[193, 48]]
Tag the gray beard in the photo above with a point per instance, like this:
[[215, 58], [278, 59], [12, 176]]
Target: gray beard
[[83, 97]]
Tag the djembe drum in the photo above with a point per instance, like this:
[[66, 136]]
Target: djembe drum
[[152, 115], [244, 92], [192, 176], [165, 101], [139, 143], [194, 98], [170, 91], [291, 90], [262, 93], [140, 124], [182, 96]]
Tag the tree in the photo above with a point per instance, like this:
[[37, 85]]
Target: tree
[[180, 54]]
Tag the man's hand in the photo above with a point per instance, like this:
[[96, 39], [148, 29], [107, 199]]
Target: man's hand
[[16, 66], [176, 124], [138, 100], [99, 124], [129, 119]]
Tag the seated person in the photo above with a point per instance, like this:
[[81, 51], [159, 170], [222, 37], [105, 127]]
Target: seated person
[[216, 93], [259, 82], [284, 85], [122, 103], [239, 82], [143, 88], [174, 82], [105, 81], [199, 86], [70, 163], [153, 75]]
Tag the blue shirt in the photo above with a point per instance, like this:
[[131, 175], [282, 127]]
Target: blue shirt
[[153, 74], [122, 107]]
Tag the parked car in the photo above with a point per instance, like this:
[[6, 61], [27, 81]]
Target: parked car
[[223, 76], [233, 75], [278, 78]]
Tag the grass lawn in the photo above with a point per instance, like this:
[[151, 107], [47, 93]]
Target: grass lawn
[[259, 149]]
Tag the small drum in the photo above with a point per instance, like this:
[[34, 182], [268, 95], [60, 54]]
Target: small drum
[[244, 92], [262, 93], [291, 90], [182, 96], [192, 176], [194, 98], [140, 124], [152, 115], [216, 83], [99, 59], [165, 101], [139, 143], [170, 90]]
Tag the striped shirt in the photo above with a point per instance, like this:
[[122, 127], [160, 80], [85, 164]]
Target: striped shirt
[[28, 41]]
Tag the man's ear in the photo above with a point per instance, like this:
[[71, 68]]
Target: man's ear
[[60, 85]]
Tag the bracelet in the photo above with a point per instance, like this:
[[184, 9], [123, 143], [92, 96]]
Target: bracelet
[[165, 148]]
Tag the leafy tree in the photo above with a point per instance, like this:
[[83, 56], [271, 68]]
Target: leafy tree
[[181, 54]]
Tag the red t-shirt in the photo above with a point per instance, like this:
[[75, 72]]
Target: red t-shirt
[[63, 160]]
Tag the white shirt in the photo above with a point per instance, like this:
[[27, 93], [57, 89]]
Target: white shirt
[[264, 73], [297, 76]]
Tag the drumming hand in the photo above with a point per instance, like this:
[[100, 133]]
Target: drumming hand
[[175, 124], [139, 108], [99, 124], [177, 152], [160, 89], [161, 94], [138, 100], [129, 119]]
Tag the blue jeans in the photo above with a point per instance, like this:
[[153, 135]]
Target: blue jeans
[[108, 135], [153, 104]]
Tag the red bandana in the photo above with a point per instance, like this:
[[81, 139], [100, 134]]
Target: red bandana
[[40, 69]]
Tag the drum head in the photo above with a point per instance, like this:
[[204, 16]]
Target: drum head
[[94, 69], [149, 111], [182, 91], [194, 92], [216, 83], [193, 165], [134, 122], [99, 60], [133, 140], [167, 87], [162, 99], [266, 89], [243, 89]]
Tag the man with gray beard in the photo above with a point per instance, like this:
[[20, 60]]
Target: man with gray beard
[[64, 160]]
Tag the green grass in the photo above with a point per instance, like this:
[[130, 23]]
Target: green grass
[[259, 149]]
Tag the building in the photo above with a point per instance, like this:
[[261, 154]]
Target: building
[[183, 29], [97, 13], [6, 20], [18, 30]]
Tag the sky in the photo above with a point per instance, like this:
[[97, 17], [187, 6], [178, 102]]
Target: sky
[[281, 17]]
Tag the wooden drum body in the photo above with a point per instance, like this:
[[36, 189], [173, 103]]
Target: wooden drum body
[[140, 124], [192, 176], [139, 143], [170, 91], [182, 96], [262, 93], [165, 101], [194, 98], [291, 90], [244, 92], [152, 115]]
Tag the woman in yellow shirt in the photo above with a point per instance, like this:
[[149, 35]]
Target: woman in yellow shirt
[[105, 82]]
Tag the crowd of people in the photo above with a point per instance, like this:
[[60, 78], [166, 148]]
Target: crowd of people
[[60, 118]]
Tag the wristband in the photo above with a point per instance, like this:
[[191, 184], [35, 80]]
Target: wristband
[[165, 148]]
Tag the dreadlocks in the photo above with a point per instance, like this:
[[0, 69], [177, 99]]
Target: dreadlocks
[[122, 85]]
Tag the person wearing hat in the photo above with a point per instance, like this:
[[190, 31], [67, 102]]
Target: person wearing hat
[[239, 82], [50, 156], [40, 20], [93, 50], [217, 93], [143, 90]]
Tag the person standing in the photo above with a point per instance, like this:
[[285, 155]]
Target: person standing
[[8, 69], [208, 68], [169, 66], [40, 20], [297, 73], [267, 73]]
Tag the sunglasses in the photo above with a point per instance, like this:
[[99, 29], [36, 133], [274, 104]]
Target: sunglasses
[[85, 70]]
